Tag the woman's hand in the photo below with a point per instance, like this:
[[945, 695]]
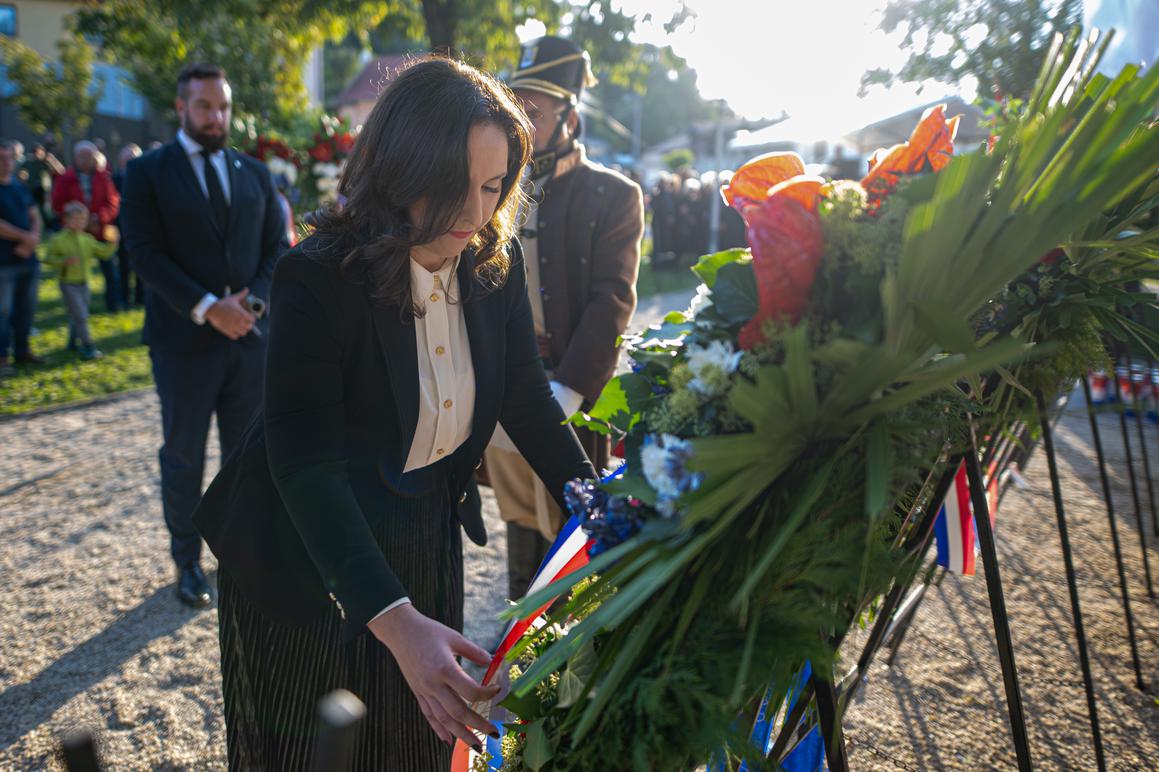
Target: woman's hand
[[425, 651]]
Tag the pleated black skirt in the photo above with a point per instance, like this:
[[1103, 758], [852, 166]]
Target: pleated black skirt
[[273, 676]]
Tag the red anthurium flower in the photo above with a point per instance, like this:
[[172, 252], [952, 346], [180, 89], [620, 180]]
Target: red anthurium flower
[[345, 142], [929, 148], [805, 189], [750, 183], [785, 235]]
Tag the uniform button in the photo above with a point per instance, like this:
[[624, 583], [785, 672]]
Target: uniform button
[[434, 297], [546, 296], [547, 335], [439, 452], [447, 403], [462, 497], [439, 350], [543, 261]]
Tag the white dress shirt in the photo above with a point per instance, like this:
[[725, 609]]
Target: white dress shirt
[[197, 161], [446, 374]]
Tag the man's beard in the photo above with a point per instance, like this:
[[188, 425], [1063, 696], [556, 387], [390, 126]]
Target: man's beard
[[210, 142]]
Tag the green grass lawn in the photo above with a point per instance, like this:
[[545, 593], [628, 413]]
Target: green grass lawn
[[66, 377]]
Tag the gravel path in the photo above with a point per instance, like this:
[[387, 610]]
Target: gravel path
[[90, 634]]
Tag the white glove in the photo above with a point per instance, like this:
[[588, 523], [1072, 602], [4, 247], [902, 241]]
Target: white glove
[[568, 399]]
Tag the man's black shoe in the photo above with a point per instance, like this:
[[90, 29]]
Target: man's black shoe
[[192, 586], [30, 359]]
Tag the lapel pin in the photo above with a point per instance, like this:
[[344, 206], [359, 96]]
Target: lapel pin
[[236, 164]]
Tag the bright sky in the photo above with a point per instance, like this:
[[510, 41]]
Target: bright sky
[[805, 57]]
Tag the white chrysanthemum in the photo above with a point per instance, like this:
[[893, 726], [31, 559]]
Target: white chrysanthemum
[[711, 365], [654, 457]]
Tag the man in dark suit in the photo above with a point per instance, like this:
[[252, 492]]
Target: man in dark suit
[[203, 229]]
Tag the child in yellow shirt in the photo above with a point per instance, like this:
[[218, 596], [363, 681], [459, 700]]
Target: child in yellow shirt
[[72, 252]]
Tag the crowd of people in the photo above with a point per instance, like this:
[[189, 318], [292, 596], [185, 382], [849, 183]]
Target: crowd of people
[[41, 204], [681, 205]]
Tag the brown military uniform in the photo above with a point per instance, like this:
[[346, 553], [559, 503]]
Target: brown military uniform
[[585, 243]]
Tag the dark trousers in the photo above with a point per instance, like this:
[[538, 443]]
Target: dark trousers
[[192, 388], [526, 549], [134, 295], [18, 286], [112, 273]]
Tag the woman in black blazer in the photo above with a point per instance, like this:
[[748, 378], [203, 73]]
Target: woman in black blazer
[[400, 334]]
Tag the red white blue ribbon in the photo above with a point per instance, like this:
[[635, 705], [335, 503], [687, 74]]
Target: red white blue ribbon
[[568, 554], [954, 527]]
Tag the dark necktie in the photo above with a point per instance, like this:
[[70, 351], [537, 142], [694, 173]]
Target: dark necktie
[[217, 203]]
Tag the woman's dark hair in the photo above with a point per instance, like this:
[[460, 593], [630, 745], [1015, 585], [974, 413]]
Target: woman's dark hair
[[413, 147]]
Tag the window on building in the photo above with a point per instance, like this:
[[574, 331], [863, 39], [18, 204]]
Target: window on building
[[8, 20]]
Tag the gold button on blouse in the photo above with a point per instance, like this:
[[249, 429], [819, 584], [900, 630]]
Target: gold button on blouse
[[447, 403], [439, 350], [434, 297], [439, 452]]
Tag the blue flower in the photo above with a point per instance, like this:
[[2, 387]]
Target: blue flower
[[609, 519]]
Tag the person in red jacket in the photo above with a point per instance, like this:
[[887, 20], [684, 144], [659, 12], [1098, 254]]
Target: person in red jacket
[[90, 183]]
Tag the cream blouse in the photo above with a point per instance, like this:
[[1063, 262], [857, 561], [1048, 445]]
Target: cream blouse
[[446, 375]]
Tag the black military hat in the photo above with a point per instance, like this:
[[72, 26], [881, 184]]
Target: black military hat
[[554, 66]]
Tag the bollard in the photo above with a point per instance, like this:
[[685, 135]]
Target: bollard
[[339, 716], [80, 752]]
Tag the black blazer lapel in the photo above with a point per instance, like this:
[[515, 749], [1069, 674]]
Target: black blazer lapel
[[179, 160], [396, 338], [482, 332]]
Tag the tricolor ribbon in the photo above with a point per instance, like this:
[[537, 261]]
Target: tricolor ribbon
[[954, 527], [568, 554]]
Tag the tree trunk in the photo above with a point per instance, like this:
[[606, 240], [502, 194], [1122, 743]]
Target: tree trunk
[[442, 24]]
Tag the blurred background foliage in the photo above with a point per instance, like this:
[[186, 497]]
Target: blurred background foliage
[[265, 46]]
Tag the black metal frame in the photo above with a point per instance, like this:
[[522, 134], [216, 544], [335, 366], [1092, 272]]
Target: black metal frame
[[1102, 463], [1134, 483], [998, 610], [1139, 407], [1072, 586]]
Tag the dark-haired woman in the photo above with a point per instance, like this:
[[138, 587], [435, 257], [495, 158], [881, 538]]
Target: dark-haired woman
[[400, 334]]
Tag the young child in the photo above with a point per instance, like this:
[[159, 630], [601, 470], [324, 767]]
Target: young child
[[72, 252]]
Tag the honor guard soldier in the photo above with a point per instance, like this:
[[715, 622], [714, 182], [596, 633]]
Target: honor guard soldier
[[581, 236]]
